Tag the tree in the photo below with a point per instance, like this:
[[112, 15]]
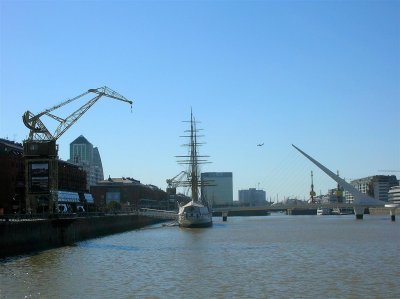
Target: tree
[[114, 206]]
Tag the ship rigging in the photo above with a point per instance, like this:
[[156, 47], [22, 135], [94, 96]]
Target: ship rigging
[[196, 213]]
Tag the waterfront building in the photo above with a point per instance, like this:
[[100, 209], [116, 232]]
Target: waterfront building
[[217, 188], [97, 166], [252, 197], [83, 154], [129, 194], [69, 194], [394, 195], [334, 196], [12, 177], [71, 182], [377, 186], [72, 194], [296, 201]]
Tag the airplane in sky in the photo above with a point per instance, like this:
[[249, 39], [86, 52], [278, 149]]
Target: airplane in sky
[[260, 144]]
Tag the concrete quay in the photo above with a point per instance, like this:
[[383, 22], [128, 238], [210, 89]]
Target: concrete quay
[[382, 211], [23, 236]]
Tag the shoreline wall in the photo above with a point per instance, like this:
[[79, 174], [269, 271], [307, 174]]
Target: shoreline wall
[[383, 211], [22, 237]]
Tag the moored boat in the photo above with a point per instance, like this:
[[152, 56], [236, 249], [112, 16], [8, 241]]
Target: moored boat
[[342, 211], [196, 213], [323, 211]]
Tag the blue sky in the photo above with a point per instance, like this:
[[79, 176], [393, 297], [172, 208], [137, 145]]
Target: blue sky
[[323, 75]]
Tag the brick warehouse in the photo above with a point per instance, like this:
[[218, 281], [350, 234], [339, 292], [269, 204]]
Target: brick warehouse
[[130, 193], [12, 168], [12, 179]]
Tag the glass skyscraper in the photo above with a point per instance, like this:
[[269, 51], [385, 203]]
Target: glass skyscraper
[[83, 153], [217, 188]]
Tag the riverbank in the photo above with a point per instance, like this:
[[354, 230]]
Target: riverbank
[[277, 256], [26, 236]]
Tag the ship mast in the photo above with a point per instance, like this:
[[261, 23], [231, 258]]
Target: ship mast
[[192, 161], [194, 176]]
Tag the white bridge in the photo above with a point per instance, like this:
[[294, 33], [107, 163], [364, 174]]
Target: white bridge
[[361, 200], [360, 203], [283, 207]]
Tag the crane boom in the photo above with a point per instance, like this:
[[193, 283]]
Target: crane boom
[[176, 180], [38, 130]]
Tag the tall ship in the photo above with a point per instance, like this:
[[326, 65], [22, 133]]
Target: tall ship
[[197, 212]]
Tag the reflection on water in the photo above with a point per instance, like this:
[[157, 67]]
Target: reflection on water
[[247, 257], [92, 245]]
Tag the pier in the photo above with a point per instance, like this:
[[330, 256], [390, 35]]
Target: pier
[[159, 214], [21, 234]]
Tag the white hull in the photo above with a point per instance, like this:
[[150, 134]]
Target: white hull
[[204, 222], [194, 215], [323, 211]]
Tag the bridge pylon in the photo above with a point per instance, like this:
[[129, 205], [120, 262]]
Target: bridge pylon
[[361, 200]]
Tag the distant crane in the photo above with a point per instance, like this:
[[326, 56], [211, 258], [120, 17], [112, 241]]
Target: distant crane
[[38, 130], [312, 192], [175, 182]]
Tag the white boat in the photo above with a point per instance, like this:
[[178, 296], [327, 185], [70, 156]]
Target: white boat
[[342, 211], [323, 211], [196, 213]]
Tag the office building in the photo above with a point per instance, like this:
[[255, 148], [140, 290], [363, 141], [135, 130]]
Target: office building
[[83, 154], [376, 186], [217, 188], [394, 195], [252, 197]]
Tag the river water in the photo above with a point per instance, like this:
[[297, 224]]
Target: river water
[[276, 256]]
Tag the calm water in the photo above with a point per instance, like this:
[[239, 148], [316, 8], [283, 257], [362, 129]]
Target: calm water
[[276, 256]]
